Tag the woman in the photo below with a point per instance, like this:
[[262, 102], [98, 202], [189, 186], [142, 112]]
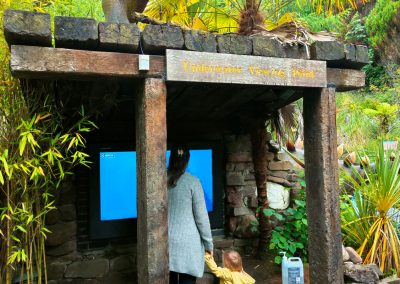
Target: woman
[[188, 224]]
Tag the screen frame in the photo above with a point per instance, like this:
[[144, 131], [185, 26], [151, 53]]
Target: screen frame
[[108, 229]]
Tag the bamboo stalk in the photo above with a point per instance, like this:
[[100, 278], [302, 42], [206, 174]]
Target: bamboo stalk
[[8, 269]]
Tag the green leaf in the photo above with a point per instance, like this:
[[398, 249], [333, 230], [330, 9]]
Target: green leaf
[[278, 259], [292, 248], [279, 217], [268, 212], [1, 178], [300, 203], [22, 145], [21, 229]]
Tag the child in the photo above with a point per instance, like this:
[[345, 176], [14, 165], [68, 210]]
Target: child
[[232, 272]]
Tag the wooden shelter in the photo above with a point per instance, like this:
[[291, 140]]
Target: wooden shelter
[[202, 83]]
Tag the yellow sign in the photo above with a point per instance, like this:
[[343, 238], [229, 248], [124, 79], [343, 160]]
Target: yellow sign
[[244, 69]]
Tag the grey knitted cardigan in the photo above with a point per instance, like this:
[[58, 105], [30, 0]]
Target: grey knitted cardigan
[[189, 232]]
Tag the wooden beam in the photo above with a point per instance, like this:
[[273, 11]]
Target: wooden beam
[[346, 79], [46, 62], [321, 172], [152, 199]]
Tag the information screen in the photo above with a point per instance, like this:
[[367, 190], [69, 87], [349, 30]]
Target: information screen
[[118, 181]]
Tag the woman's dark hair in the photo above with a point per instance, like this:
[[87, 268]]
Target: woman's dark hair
[[178, 162]]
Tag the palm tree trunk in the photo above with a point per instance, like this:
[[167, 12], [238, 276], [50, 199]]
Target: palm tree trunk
[[259, 145]]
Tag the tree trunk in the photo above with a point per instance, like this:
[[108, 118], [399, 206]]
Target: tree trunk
[[259, 145]]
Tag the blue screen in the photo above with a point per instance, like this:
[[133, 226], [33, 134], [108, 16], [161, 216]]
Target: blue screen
[[118, 181]]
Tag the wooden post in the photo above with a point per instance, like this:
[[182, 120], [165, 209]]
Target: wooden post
[[152, 202], [321, 172]]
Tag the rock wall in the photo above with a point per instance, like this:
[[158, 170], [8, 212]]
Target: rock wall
[[114, 262], [241, 189]]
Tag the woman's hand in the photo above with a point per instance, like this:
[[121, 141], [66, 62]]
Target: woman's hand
[[210, 253]]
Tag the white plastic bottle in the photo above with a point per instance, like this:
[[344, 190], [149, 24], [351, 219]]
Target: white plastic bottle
[[284, 268], [292, 270]]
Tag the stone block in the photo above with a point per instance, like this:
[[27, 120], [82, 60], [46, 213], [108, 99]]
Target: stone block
[[230, 167], [242, 242], [266, 46], [223, 243], [327, 50], [234, 178], [77, 33], [62, 249], [354, 256], [292, 177], [119, 37], [55, 270], [28, 28], [200, 41], [67, 193], [240, 167], [120, 263], [279, 174], [281, 156], [234, 44], [350, 52], [269, 156], [362, 54], [251, 201], [241, 143], [296, 51], [249, 176], [249, 190], [233, 222], [242, 211], [280, 166], [61, 233], [359, 273], [67, 212], [240, 157], [156, 38], [87, 269], [278, 196], [53, 217], [234, 198], [246, 227], [356, 56], [345, 254], [278, 180]]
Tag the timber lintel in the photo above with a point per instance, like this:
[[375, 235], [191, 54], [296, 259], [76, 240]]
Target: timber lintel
[[33, 62]]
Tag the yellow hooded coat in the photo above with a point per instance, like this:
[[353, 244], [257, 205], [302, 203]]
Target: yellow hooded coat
[[227, 276]]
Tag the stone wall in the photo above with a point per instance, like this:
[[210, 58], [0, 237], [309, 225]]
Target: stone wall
[[113, 262], [241, 189]]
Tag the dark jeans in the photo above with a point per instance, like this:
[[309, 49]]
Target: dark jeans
[[181, 278]]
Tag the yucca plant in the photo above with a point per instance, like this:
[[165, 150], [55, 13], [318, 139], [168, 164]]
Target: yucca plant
[[368, 217]]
